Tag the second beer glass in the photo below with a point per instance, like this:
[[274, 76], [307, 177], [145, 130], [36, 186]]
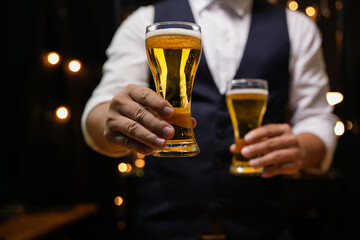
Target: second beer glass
[[173, 50], [246, 100]]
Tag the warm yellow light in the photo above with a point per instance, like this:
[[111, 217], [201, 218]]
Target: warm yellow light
[[128, 167], [53, 58], [139, 155], [118, 200], [339, 128], [139, 163], [122, 167], [338, 5], [310, 11], [62, 112], [334, 98], [349, 125], [75, 65], [293, 5]]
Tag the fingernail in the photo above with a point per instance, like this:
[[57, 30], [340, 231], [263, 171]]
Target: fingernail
[[254, 162], [249, 136], [245, 151], [168, 111], [167, 132], [160, 142]]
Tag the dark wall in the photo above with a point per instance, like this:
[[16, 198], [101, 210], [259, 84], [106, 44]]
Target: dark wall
[[44, 162], [349, 148]]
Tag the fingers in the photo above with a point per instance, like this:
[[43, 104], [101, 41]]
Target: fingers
[[129, 143], [194, 122], [270, 145], [285, 168], [149, 98], [133, 121], [134, 130], [275, 158], [273, 147], [267, 131], [139, 114]]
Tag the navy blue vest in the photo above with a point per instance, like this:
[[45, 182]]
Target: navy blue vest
[[180, 196]]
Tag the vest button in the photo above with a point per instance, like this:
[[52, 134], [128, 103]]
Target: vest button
[[218, 163]]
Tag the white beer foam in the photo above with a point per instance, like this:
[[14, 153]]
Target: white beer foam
[[169, 31], [247, 91]]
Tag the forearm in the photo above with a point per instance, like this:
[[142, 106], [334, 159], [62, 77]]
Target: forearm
[[95, 125], [312, 150]]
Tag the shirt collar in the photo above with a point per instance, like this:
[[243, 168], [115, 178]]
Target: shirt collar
[[240, 6]]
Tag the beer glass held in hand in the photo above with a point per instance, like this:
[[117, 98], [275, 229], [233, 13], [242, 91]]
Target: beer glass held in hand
[[173, 50], [246, 101]]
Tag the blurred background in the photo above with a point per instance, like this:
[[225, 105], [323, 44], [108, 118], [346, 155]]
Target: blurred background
[[52, 186]]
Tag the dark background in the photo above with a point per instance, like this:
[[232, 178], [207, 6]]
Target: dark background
[[45, 164]]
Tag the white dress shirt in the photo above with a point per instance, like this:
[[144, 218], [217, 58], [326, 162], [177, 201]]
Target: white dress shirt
[[225, 26]]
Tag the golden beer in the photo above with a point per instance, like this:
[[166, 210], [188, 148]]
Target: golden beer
[[174, 54], [246, 108]]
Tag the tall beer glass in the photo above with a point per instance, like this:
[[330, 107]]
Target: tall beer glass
[[173, 50], [246, 101]]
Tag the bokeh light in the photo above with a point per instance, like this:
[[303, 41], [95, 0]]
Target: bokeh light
[[310, 11], [53, 58], [118, 201], [74, 65], [122, 167], [139, 163], [339, 128], [62, 113], [338, 5], [128, 167], [293, 5], [334, 98]]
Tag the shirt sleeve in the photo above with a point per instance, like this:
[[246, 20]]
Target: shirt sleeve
[[309, 84], [126, 63]]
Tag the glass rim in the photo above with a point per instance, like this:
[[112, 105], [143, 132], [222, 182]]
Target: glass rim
[[248, 83], [260, 80], [173, 24]]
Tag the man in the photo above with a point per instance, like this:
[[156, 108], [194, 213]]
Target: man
[[187, 197]]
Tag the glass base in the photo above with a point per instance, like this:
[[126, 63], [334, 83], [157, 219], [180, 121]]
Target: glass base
[[178, 149], [245, 170]]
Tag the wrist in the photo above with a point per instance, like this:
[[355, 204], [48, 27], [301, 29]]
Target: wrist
[[312, 150]]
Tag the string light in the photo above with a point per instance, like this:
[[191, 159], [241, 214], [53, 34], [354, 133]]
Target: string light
[[139, 155], [118, 201], [139, 163], [122, 167], [128, 167], [293, 5], [74, 65], [338, 5], [53, 58], [310, 11], [349, 125], [62, 113], [334, 98], [339, 128]]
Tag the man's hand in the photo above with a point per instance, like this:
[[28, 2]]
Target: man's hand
[[134, 120], [279, 150]]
